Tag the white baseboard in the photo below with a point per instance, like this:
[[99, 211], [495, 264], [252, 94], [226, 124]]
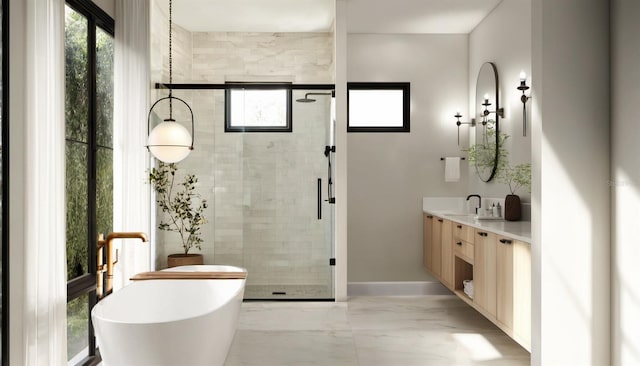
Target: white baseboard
[[413, 288]]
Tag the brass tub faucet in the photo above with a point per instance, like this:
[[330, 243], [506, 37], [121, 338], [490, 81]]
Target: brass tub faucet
[[111, 261]]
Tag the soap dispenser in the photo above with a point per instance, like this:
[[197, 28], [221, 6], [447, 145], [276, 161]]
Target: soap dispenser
[[497, 210]]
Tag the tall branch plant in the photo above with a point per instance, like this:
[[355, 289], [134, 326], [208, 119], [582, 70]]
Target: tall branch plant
[[182, 205]]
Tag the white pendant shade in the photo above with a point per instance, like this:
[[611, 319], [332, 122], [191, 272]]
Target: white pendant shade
[[170, 142]]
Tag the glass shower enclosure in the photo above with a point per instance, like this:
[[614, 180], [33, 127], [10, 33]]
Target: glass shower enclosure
[[270, 195]]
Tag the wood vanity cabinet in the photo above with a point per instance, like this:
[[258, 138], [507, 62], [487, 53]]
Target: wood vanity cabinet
[[438, 248], [513, 284], [447, 254], [499, 266], [484, 271], [427, 243]]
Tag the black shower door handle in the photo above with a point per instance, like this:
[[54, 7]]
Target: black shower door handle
[[319, 198]]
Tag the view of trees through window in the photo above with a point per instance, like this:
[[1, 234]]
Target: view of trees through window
[[89, 161]]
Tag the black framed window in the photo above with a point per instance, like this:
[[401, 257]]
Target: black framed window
[[258, 107], [89, 163], [378, 107], [4, 185]]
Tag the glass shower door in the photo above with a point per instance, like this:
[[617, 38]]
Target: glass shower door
[[268, 194], [287, 217]]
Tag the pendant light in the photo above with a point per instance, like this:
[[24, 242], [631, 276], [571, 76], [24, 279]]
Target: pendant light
[[170, 142]]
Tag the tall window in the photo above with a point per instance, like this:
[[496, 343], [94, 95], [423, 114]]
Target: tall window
[[89, 162]]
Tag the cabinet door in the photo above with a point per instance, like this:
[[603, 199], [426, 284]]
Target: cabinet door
[[484, 271], [522, 291], [505, 281], [427, 244], [447, 254], [436, 248]]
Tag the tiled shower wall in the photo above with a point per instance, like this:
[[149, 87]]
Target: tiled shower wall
[[261, 187]]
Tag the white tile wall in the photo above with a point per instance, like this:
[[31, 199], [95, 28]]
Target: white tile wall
[[261, 187]]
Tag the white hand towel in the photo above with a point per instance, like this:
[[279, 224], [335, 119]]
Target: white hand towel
[[452, 169], [468, 287]]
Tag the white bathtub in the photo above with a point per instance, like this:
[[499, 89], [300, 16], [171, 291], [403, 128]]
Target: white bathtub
[[169, 322]]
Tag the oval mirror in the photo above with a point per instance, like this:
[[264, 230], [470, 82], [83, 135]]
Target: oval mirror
[[486, 149]]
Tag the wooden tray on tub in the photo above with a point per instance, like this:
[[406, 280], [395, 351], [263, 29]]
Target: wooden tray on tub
[[176, 275]]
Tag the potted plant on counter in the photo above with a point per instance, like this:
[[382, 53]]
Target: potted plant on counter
[[183, 211], [515, 177]]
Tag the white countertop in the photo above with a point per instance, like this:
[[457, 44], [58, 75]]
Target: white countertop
[[518, 230]]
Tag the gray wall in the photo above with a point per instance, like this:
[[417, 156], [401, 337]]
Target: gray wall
[[625, 181], [389, 173], [571, 194], [504, 38]]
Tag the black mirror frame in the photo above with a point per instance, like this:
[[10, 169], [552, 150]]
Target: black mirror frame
[[498, 113]]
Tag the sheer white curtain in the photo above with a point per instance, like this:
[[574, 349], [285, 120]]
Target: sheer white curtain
[[131, 160], [45, 286]]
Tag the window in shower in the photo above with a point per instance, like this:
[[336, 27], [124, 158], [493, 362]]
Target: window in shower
[[258, 107], [378, 107]]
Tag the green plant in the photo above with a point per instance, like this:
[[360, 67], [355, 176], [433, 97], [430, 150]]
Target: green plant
[[482, 155], [516, 177], [184, 214]]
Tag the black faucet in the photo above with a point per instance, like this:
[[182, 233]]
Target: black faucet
[[479, 201]]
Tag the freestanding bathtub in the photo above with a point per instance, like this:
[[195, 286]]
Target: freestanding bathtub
[[170, 322]]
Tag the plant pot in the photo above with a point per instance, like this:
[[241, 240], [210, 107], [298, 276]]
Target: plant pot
[[512, 207], [175, 260]]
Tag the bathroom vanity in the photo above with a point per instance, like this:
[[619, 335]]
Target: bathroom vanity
[[496, 255]]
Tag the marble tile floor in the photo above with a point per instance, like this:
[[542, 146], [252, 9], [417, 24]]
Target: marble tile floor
[[370, 331]]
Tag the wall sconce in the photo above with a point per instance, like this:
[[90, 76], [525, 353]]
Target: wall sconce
[[486, 112], [524, 98], [459, 123]]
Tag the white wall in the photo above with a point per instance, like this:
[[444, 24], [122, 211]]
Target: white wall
[[504, 38], [389, 173], [571, 196], [625, 182]]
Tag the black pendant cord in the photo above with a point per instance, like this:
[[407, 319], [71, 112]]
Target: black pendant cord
[[170, 97], [170, 59]]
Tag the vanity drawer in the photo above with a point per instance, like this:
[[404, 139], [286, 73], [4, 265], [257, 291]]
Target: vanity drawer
[[463, 232], [463, 249]]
